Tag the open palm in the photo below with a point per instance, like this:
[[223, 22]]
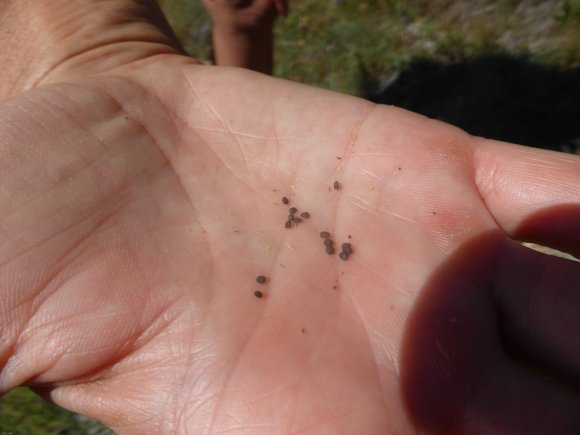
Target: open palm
[[140, 204]]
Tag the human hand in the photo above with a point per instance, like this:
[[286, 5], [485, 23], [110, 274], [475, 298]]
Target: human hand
[[141, 196], [242, 32], [245, 16]]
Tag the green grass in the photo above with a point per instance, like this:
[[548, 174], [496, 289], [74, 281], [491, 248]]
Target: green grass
[[24, 413], [328, 43]]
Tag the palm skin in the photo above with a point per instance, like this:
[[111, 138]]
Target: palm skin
[[140, 204]]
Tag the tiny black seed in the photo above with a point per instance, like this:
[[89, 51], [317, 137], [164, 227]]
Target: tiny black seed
[[290, 217], [347, 248], [325, 234], [336, 185], [261, 279], [328, 242], [343, 256], [329, 249], [288, 224], [305, 215], [297, 220], [293, 210], [258, 294], [285, 200]]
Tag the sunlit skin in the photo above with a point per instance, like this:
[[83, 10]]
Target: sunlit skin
[[141, 196]]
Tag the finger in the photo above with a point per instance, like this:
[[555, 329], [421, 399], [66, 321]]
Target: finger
[[533, 194], [282, 7], [456, 376], [538, 297], [506, 399], [558, 227], [513, 400]]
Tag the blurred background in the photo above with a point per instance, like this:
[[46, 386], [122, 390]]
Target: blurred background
[[507, 69], [327, 42]]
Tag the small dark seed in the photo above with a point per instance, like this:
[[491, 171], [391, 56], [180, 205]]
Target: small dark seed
[[343, 256], [325, 234], [261, 279], [336, 185], [328, 242], [329, 249], [347, 248], [293, 210], [305, 215], [297, 220], [290, 217], [285, 200], [288, 224], [258, 294]]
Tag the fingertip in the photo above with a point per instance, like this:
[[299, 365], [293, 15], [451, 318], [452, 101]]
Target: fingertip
[[557, 227]]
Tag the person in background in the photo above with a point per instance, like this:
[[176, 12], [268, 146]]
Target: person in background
[[510, 98], [243, 32]]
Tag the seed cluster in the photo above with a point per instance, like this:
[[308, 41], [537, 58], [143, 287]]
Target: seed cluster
[[346, 251], [325, 235], [261, 279], [346, 248], [292, 219]]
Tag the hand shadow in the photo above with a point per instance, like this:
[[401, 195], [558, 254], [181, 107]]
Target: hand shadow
[[493, 343]]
